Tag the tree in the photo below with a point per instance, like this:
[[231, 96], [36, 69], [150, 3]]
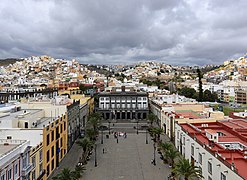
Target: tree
[[208, 96], [187, 92], [83, 88], [95, 120], [152, 118], [165, 147], [183, 168], [156, 132], [86, 145], [66, 174], [171, 154], [200, 97], [77, 173], [91, 134]]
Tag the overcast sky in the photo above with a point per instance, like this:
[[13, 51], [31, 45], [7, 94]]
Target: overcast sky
[[182, 32]]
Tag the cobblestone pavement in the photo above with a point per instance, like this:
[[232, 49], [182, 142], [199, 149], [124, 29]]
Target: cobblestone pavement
[[129, 159]]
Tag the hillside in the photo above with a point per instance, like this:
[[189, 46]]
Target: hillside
[[6, 62]]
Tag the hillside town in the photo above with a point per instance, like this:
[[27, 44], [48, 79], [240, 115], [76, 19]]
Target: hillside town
[[49, 107]]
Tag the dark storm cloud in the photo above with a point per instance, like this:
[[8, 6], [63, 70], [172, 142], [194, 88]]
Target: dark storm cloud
[[111, 31]]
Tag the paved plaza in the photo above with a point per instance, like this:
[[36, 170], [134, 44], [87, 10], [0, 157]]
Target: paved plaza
[[129, 159]]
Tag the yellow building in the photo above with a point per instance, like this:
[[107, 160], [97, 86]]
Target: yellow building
[[75, 93], [36, 158], [55, 139]]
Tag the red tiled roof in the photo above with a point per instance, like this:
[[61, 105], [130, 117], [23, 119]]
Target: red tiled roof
[[233, 130]]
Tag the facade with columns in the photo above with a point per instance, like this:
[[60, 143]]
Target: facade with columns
[[123, 105], [6, 96]]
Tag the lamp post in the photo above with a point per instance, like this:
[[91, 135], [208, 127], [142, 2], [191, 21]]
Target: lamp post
[[117, 137], [95, 157], [102, 136], [154, 161], [146, 136], [137, 127]]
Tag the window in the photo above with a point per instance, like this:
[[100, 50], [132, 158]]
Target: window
[[200, 158], [9, 137], [24, 162], [52, 151], [9, 174], [52, 164], [48, 170], [48, 156], [209, 167], [192, 150], [52, 135], [33, 161], [40, 168], [222, 176], [64, 126], [16, 169], [40, 155], [33, 175], [61, 128], [3, 177], [47, 139], [61, 142]]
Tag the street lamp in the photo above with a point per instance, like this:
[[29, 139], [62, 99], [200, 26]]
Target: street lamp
[[95, 157], [117, 137], [101, 136], [137, 127], [146, 136], [154, 161]]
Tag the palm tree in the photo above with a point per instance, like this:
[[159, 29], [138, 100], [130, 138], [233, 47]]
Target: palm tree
[[95, 120], [165, 147], [66, 174], [77, 173], [86, 145], [152, 118], [183, 168], [157, 132], [171, 154], [91, 134]]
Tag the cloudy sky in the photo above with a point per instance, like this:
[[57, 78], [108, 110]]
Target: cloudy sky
[[182, 32]]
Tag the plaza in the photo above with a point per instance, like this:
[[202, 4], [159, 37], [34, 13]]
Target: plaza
[[129, 159]]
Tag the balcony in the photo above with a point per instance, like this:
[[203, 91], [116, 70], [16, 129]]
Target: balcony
[[25, 171]]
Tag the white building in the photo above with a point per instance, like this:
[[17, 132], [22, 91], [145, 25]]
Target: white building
[[14, 159], [214, 148]]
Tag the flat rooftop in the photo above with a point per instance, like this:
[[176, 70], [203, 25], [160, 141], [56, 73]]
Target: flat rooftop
[[27, 115], [20, 114], [232, 131], [187, 114], [6, 148], [7, 145]]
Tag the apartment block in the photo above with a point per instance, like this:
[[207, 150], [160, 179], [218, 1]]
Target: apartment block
[[15, 159], [217, 148]]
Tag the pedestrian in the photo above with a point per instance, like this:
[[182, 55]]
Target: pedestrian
[[125, 135], [103, 150]]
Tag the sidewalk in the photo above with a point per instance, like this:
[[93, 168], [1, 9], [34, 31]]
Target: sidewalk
[[70, 160]]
